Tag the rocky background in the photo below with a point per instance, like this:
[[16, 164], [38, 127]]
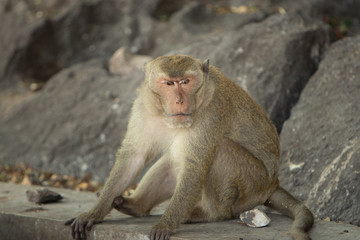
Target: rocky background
[[69, 71]]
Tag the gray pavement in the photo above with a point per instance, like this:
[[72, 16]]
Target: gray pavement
[[20, 219]]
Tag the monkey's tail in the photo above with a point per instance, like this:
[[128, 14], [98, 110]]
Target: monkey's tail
[[286, 204]]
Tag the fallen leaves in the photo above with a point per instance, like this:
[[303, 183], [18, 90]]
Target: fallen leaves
[[225, 9], [20, 173]]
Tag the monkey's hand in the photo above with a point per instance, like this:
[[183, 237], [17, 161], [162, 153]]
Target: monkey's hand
[[160, 232], [83, 222]]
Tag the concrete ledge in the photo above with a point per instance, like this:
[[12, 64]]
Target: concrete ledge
[[20, 219]]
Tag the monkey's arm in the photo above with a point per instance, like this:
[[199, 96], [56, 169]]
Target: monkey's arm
[[188, 190], [130, 160], [126, 168]]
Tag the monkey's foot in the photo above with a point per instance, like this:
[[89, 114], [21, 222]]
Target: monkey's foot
[[126, 206], [160, 233], [80, 225], [118, 202], [299, 234], [197, 215]]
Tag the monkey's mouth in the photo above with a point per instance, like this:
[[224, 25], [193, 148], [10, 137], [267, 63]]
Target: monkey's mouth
[[178, 120], [179, 114]]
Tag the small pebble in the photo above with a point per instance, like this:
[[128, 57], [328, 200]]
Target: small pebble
[[43, 196]]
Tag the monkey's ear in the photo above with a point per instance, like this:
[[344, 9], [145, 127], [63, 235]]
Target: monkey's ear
[[205, 66]]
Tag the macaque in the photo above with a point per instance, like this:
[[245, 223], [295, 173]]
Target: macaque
[[219, 153]]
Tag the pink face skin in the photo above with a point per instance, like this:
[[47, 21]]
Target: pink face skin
[[177, 95], [177, 99]]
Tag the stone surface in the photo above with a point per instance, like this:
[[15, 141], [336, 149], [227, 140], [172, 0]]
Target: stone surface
[[321, 140], [55, 34], [83, 111], [20, 219], [14, 15], [342, 15], [200, 20], [123, 62]]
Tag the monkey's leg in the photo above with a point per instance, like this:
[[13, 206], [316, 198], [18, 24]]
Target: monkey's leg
[[237, 182], [209, 210], [197, 215], [155, 187]]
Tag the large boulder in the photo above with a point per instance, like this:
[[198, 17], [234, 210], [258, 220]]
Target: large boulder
[[14, 15], [321, 140], [75, 125], [272, 59], [40, 38], [200, 20], [343, 15], [52, 35]]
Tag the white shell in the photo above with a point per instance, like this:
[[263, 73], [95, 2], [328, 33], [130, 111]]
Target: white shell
[[255, 218]]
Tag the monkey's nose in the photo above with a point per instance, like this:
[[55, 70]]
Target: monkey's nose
[[179, 100]]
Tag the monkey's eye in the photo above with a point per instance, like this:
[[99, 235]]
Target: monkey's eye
[[185, 81], [169, 83]]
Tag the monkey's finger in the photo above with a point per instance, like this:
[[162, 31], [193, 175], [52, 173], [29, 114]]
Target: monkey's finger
[[167, 234], [162, 235], [82, 230], [153, 234], [70, 221], [73, 229], [90, 225], [77, 233]]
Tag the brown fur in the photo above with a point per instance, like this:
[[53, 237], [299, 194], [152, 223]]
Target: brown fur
[[220, 153]]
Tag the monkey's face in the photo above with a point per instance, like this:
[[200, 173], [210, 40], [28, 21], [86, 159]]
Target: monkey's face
[[177, 98], [176, 81]]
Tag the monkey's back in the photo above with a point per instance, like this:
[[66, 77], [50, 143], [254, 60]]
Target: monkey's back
[[249, 125]]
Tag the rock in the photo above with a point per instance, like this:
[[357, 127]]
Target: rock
[[52, 35], [124, 62], [43, 196], [14, 15], [198, 21], [55, 34], [255, 218], [272, 59], [321, 140], [343, 16], [75, 125]]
